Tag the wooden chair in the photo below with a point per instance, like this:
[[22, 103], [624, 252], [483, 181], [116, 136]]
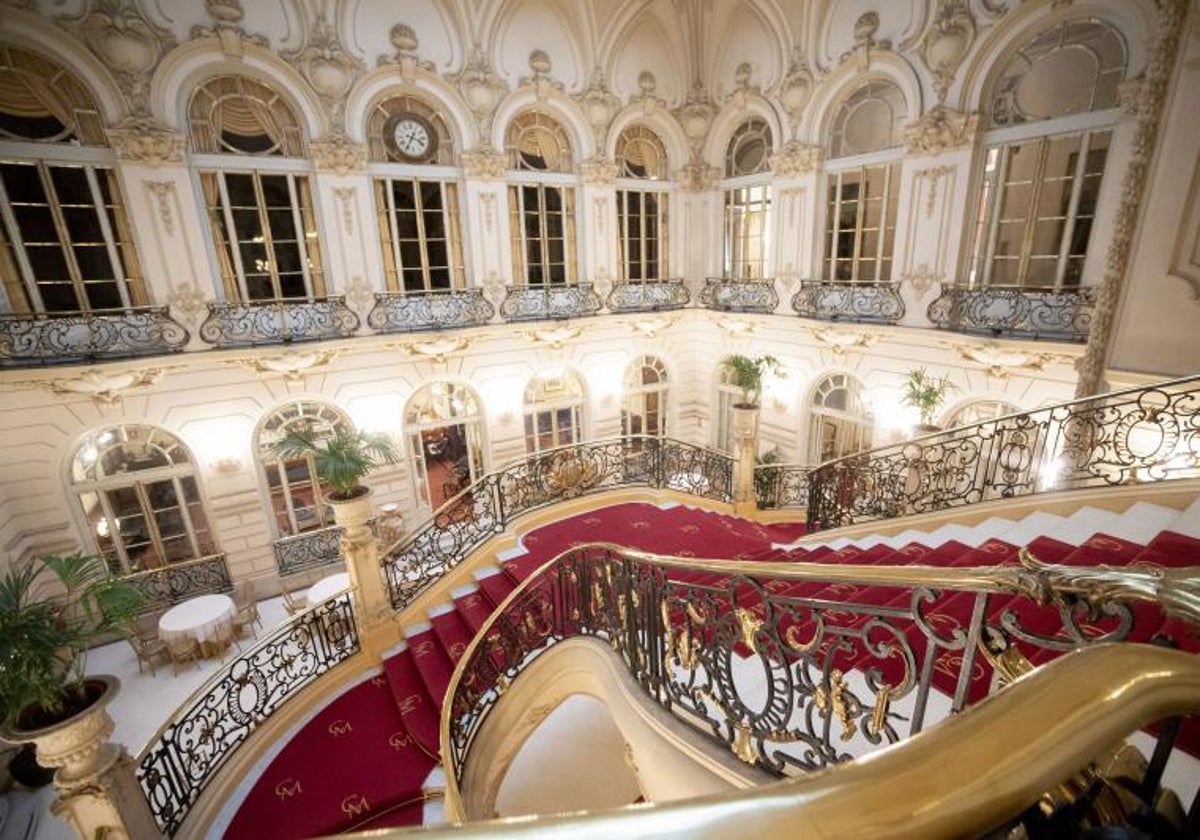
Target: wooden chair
[[146, 650], [247, 608], [183, 651], [224, 639], [294, 604]]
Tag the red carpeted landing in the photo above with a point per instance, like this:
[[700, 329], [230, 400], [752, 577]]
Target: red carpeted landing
[[352, 765]]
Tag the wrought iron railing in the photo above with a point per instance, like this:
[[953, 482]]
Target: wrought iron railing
[[544, 303], [437, 309], [61, 338], [162, 587], [872, 303], [309, 550], [781, 486], [798, 666], [1064, 315], [278, 321], [728, 295], [182, 758], [1137, 435], [648, 296], [488, 506]]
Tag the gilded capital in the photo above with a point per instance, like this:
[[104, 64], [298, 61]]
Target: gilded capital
[[697, 177], [940, 130], [483, 165], [598, 172], [142, 142], [796, 159], [338, 155]]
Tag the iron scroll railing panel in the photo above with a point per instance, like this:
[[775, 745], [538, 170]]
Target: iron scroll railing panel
[[278, 322], [179, 762], [309, 550], [793, 666], [487, 507], [728, 295], [545, 303], [878, 303], [171, 584], [396, 312], [649, 296], [50, 338], [1064, 315], [1138, 435], [781, 486]]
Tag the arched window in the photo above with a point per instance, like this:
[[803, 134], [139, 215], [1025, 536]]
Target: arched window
[[541, 213], [748, 206], [860, 220], [417, 212], [641, 207], [65, 241], [728, 395], [645, 408], [297, 498], [839, 421], [553, 410], [979, 411], [1041, 183], [442, 423], [137, 486], [264, 232]]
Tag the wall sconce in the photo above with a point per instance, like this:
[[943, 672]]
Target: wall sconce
[[227, 466]]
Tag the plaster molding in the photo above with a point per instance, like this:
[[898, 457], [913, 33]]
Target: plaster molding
[[734, 326], [796, 159], [1001, 361], [697, 176], [650, 326], [922, 279], [292, 365], [599, 105], [103, 385], [188, 303], [482, 165], [743, 89], [647, 101], [946, 43], [940, 129], [145, 140], [696, 116], [163, 193], [542, 82], [328, 67], [345, 197], [598, 172], [796, 88], [841, 340], [436, 349], [482, 90], [339, 155], [405, 57], [934, 175], [359, 294], [227, 16], [554, 337]]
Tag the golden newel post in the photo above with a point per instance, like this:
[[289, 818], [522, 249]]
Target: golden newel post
[[361, 550], [745, 448]]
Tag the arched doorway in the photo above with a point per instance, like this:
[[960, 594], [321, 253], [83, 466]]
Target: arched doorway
[[442, 423]]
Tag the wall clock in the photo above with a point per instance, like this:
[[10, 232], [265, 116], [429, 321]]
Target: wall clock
[[410, 137]]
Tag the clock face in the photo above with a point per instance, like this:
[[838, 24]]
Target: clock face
[[412, 137]]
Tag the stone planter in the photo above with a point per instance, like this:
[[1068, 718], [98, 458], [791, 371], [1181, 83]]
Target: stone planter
[[361, 551], [77, 746]]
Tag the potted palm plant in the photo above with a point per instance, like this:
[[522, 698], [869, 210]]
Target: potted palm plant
[[51, 611], [748, 375], [925, 394]]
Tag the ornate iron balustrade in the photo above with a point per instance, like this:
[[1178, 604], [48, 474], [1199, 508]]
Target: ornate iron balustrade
[[858, 302], [309, 550], [277, 321], [543, 303], [798, 666], [438, 309], [182, 758], [1138, 435], [52, 338], [1016, 313], [648, 296], [781, 486], [727, 295], [488, 506], [176, 582]]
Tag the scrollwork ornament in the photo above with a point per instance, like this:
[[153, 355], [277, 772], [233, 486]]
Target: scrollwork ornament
[[188, 303], [328, 67], [227, 16], [339, 155], [796, 159], [483, 165], [598, 172], [940, 130], [145, 140], [946, 42], [405, 41]]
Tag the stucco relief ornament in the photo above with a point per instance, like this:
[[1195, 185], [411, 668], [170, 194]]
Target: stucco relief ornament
[[292, 365], [922, 280], [864, 40], [1001, 361], [227, 16], [947, 42], [697, 176], [940, 130], [404, 39], [338, 154], [796, 159], [651, 325], [482, 89], [146, 140], [483, 165], [188, 304], [541, 82], [328, 67], [598, 104], [646, 99], [696, 115], [598, 172], [495, 289], [129, 44], [106, 387], [435, 349], [554, 337], [841, 341], [796, 88], [739, 97]]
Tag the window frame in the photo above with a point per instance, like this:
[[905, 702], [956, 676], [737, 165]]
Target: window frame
[[891, 160], [625, 188], [862, 425], [389, 240], [639, 389], [565, 186], [533, 410], [729, 222]]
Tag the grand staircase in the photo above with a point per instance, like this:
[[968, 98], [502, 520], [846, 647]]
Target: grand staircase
[[369, 758]]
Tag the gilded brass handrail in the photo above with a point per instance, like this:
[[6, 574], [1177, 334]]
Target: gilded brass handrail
[[1004, 758]]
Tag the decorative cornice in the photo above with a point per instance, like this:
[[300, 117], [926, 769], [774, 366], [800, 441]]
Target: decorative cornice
[[842, 340], [939, 130], [598, 172], [145, 140], [482, 165], [554, 337], [293, 365], [946, 43], [337, 154], [796, 159], [1002, 361], [437, 349], [328, 67]]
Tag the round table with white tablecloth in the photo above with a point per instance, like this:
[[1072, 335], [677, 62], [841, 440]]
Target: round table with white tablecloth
[[327, 587], [199, 618]]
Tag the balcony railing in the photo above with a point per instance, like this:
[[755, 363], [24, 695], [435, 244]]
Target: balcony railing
[[308, 551], [62, 338], [1138, 435], [648, 296], [545, 303], [726, 295], [781, 486], [868, 303], [1016, 313], [168, 585], [182, 758], [488, 506], [438, 309], [277, 321]]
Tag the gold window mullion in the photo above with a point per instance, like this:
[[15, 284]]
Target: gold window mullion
[[858, 224], [239, 289], [181, 500], [64, 239], [517, 233], [19, 282], [544, 235], [1064, 245], [454, 256], [422, 242], [664, 239], [1035, 195], [568, 232], [149, 515], [388, 244], [264, 223], [118, 271]]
